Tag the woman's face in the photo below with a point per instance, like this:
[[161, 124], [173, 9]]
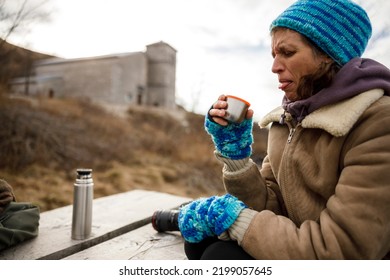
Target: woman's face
[[293, 59]]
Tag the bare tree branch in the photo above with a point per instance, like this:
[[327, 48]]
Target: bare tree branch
[[17, 16], [20, 16]]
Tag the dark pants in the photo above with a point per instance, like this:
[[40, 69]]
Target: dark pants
[[215, 249]]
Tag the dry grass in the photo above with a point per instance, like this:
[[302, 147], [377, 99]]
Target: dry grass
[[43, 142]]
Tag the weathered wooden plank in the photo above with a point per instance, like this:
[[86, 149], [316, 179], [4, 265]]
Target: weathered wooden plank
[[140, 244], [112, 216]]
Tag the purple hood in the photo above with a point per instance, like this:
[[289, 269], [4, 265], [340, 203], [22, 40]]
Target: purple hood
[[357, 76]]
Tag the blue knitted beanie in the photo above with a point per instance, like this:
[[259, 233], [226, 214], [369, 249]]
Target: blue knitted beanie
[[340, 28]]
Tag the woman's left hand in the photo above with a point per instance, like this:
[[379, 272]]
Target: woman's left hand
[[208, 217]]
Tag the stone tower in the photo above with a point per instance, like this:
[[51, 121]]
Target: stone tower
[[161, 75]]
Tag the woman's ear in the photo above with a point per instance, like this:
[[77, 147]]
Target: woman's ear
[[328, 59]]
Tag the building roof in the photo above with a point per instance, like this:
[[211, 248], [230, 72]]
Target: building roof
[[161, 43], [59, 60]]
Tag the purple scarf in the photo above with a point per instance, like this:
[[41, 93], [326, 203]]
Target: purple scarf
[[357, 76]]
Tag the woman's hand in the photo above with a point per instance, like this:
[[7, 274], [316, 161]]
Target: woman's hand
[[231, 140], [218, 111], [207, 217]]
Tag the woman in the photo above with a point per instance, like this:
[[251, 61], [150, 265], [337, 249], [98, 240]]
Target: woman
[[323, 191]]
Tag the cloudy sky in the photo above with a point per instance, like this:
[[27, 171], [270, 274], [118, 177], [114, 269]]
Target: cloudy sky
[[223, 45]]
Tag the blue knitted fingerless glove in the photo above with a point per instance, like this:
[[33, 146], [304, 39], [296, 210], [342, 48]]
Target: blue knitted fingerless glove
[[233, 141], [223, 212], [193, 222], [208, 217]]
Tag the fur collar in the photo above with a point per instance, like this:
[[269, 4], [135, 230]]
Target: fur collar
[[337, 119]]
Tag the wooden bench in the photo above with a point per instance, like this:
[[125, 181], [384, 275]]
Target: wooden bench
[[121, 229]]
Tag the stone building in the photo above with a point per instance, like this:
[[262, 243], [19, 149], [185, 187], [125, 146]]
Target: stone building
[[135, 78]]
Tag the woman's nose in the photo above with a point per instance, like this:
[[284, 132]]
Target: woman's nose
[[277, 66]]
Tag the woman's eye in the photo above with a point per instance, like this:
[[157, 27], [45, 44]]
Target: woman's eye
[[283, 52], [288, 53]]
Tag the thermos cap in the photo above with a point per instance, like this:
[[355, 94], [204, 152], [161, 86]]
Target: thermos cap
[[84, 173]]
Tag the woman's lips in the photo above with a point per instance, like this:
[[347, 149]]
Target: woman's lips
[[284, 84]]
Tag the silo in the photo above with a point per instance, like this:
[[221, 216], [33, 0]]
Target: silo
[[161, 75]]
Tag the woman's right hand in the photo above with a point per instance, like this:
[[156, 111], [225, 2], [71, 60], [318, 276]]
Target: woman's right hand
[[218, 111], [232, 141]]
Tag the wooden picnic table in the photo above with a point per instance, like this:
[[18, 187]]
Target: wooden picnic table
[[121, 229]]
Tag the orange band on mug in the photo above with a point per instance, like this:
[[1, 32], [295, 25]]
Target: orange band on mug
[[238, 98]]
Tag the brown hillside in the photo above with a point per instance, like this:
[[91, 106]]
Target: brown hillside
[[43, 142], [16, 61]]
